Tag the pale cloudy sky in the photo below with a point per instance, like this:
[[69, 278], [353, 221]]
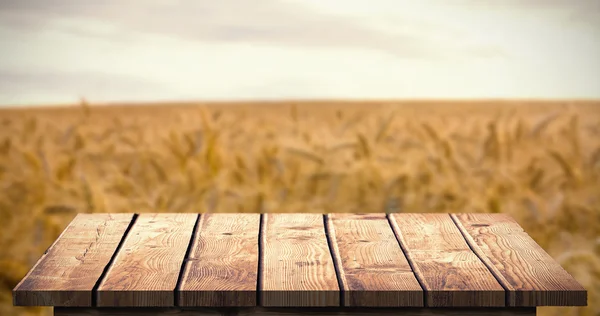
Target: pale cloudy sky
[[55, 51]]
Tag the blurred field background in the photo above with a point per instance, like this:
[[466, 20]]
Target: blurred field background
[[537, 161]]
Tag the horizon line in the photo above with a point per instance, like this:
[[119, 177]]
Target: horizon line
[[198, 102]]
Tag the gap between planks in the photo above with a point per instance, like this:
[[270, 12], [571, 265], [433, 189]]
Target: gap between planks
[[222, 262], [145, 271], [185, 264], [433, 243], [296, 245], [69, 269], [410, 261], [333, 248], [372, 269], [259, 273], [510, 295], [112, 259], [532, 275]]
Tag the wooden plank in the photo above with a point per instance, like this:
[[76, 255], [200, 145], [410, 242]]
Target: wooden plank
[[371, 265], [530, 275], [146, 269], [296, 265], [223, 264], [449, 271], [262, 311], [67, 272]]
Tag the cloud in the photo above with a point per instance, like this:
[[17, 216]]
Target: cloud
[[73, 83], [535, 5], [583, 12], [271, 22], [186, 49]]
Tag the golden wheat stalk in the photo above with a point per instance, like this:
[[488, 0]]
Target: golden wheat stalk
[[384, 127], [542, 124], [305, 154], [364, 150], [569, 169]]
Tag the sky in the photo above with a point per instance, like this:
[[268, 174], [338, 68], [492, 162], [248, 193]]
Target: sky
[[58, 51]]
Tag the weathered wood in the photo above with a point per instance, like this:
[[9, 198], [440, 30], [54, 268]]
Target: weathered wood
[[290, 260], [530, 275], [296, 265], [223, 264], [449, 271], [146, 269], [371, 266], [262, 311], [67, 272]]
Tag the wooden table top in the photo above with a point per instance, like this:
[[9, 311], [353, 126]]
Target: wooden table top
[[363, 260]]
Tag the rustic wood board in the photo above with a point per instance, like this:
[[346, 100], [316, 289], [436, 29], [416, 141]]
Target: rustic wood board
[[530, 274], [67, 272], [262, 311], [371, 265], [296, 266], [296, 260], [146, 269], [223, 264], [450, 272]]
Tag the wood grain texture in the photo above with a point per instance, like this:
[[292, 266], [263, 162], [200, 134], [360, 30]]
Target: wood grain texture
[[371, 265], [262, 311], [296, 264], [67, 272], [449, 271], [146, 269], [223, 264], [530, 275]]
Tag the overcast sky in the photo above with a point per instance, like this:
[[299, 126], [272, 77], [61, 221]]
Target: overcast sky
[[55, 51]]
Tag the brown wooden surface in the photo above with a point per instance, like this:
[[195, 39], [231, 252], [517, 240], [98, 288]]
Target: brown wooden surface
[[223, 265], [66, 274], [532, 277], [262, 311], [450, 272], [296, 265], [371, 266], [296, 260], [146, 269]]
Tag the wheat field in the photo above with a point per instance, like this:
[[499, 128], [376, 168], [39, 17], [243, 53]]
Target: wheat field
[[537, 161]]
